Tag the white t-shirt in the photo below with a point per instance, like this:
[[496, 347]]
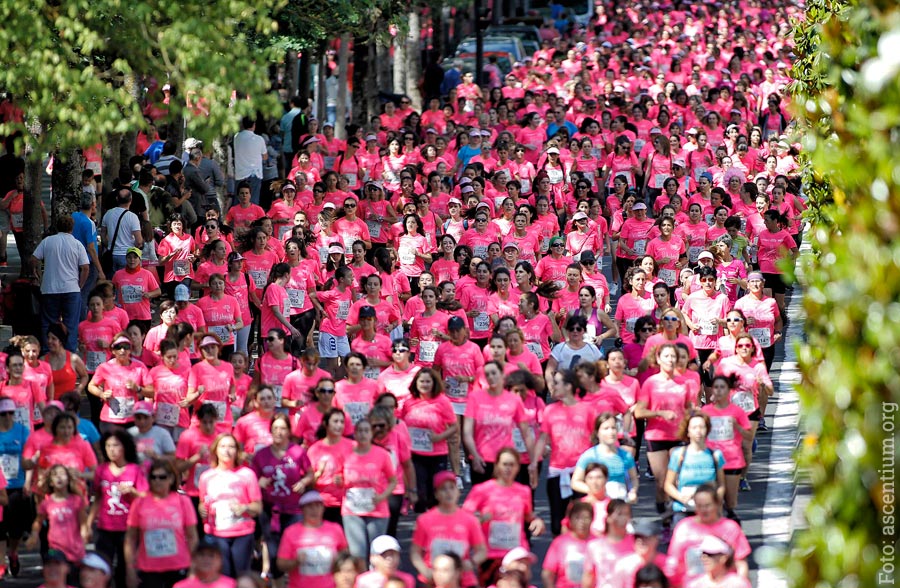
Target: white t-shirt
[[125, 237], [249, 149], [63, 256]]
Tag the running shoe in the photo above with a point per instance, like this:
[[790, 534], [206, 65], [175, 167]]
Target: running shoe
[[14, 564], [459, 483], [753, 448], [648, 475], [762, 425], [744, 485]]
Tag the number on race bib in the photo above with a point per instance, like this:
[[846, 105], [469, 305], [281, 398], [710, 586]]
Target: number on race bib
[[94, 359], [535, 347], [421, 440], [167, 414], [297, 297], [722, 428], [504, 535], [427, 349], [456, 389], [259, 278], [482, 322], [744, 401], [374, 228], [132, 294], [694, 253], [316, 561], [357, 411], [121, 407], [343, 310], [181, 267], [360, 501], [9, 465], [667, 276], [762, 335], [160, 543], [407, 256], [225, 517], [640, 246], [709, 327]]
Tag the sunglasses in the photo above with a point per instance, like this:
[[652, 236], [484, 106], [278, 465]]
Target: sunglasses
[[270, 339], [159, 476], [592, 262], [379, 426], [744, 346], [558, 245], [400, 350], [212, 226], [734, 319], [647, 330], [350, 206], [671, 319], [326, 390], [119, 347], [707, 279], [576, 330], [318, 191], [480, 220]]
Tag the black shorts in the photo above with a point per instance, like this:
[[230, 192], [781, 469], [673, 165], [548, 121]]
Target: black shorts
[[775, 282], [733, 472], [17, 515], [662, 445], [754, 416]]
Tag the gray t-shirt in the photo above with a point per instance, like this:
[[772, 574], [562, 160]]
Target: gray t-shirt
[[125, 236], [157, 439], [567, 358]]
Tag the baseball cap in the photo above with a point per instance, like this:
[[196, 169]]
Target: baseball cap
[[328, 205], [712, 545], [466, 189], [191, 142], [678, 162], [587, 257], [579, 216], [143, 407], [367, 312], [207, 544], [311, 497], [454, 201], [182, 293], [639, 206], [384, 543], [655, 131], [515, 554], [511, 245], [209, 340], [235, 256], [371, 138], [646, 527], [705, 255], [7, 405], [335, 248], [455, 323], [92, 559], [443, 477], [553, 150], [133, 250], [374, 184]]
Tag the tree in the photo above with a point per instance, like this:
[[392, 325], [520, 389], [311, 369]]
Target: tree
[[74, 69], [847, 94]]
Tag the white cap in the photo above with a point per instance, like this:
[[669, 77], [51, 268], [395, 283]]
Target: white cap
[[705, 255], [553, 150], [515, 554], [579, 216], [384, 543], [95, 561]]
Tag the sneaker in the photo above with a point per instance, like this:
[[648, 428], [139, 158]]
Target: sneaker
[[14, 564], [459, 483], [753, 448], [762, 425], [648, 475], [744, 485]]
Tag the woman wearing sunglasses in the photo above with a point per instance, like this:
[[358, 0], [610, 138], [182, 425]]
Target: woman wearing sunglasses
[[572, 351], [704, 313], [118, 384]]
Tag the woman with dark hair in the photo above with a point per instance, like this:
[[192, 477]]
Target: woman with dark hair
[[572, 351], [176, 253], [118, 482], [413, 250], [258, 260], [355, 394], [327, 456], [566, 426], [276, 303], [563, 566], [69, 372], [633, 304], [118, 384]]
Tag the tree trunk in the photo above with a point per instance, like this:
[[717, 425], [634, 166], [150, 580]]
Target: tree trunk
[[399, 45], [291, 79], [321, 92], [414, 58], [128, 147], [303, 75], [360, 80], [437, 28], [66, 183], [112, 160], [343, 63], [384, 74], [31, 214]]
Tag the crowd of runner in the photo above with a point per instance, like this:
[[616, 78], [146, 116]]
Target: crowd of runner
[[418, 325]]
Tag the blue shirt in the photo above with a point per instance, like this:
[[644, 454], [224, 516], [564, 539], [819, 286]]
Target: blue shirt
[[466, 153], [554, 128], [88, 431], [12, 443], [618, 465], [85, 230], [286, 121], [698, 468]]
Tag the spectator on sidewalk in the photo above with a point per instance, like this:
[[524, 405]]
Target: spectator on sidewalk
[[65, 272], [85, 232], [129, 234], [249, 155]]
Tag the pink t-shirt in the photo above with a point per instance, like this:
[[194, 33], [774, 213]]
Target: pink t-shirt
[[772, 248], [112, 515], [704, 310], [397, 382], [627, 567], [602, 555], [96, 338], [192, 442], [26, 396], [252, 431], [170, 388], [131, 288], [723, 434], [298, 386], [193, 582], [275, 297], [356, 400], [661, 393], [365, 476], [458, 360], [220, 314], [64, 527], [283, 473], [565, 558], [495, 417], [684, 565], [217, 382], [319, 545], [749, 376], [219, 489], [178, 267], [628, 310], [763, 313], [424, 416], [569, 430], [508, 507], [307, 424], [114, 376], [329, 460], [273, 371], [438, 533], [162, 522], [337, 309], [398, 443]]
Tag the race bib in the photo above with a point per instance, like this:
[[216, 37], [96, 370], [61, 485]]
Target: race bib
[[545, 244], [407, 256], [456, 389], [297, 297], [160, 543], [421, 440], [343, 310], [554, 175], [744, 401], [277, 389], [121, 407], [526, 185], [709, 327], [445, 546], [427, 349], [94, 359], [372, 373], [132, 294], [535, 347], [360, 501], [710, 220], [519, 441], [259, 278], [328, 160], [722, 428], [640, 246], [181, 267], [667, 276], [222, 332], [351, 180], [616, 490], [357, 411], [22, 415], [18, 219], [167, 414], [374, 228], [694, 254], [574, 566], [504, 535], [225, 518], [482, 322], [629, 324], [316, 561], [9, 465], [762, 335], [480, 251], [699, 171], [693, 562], [659, 180], [753, 250], [323, 255], [639, 145]]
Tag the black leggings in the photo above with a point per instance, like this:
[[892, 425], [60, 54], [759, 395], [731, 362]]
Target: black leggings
[[395, 504], [558, 504], [112, 545], [769, 356], [303, 322], [426, 467]]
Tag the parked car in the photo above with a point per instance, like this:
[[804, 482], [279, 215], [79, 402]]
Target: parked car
[[529, 35], [504, 44]]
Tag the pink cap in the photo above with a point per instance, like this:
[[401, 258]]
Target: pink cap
[[143, 407], [210, 340], [443, 477]]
